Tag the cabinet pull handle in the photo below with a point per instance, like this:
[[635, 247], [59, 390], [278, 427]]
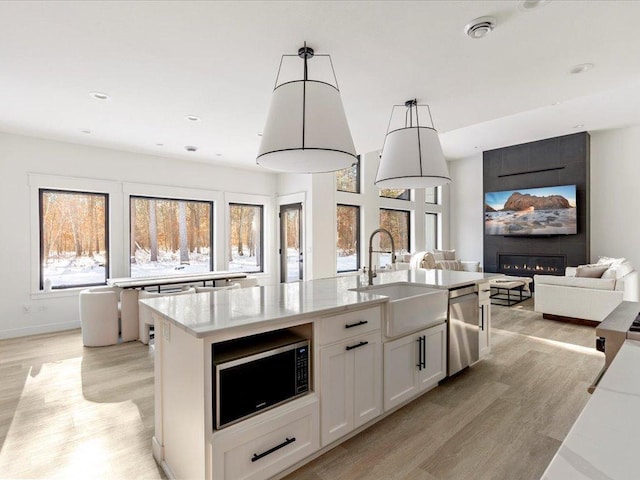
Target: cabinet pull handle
[[486, 290], [258, 456], [424, 351], [361, 344], [351, 325], [482, 317], [419, 365]]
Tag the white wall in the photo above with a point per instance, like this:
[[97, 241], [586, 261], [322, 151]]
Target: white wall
[[23, 309], [615, 194], [466, 203]]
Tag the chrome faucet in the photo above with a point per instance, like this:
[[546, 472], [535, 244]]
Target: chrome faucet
[[371, 250]]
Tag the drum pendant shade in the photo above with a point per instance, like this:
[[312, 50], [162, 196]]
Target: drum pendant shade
[[412, 156], [306, 129]]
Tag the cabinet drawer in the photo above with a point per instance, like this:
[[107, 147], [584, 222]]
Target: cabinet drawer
[[266, 447], [339, 327], [484, 291]]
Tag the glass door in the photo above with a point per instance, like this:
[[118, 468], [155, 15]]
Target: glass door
[[291, 268]]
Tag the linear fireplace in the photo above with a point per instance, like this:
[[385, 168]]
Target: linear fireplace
[[529, 265]]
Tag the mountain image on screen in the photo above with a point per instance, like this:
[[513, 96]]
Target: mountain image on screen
[[535, 211]]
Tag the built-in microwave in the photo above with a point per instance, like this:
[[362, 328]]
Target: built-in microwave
[[256, 373]]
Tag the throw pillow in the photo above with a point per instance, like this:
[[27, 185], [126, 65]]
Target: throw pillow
[[446, 254], [610, 261], [428, 261], [449, 265], [591, 271], [618, 271]]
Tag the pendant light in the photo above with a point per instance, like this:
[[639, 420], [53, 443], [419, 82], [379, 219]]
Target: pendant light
[[411, 155], [306, 129]]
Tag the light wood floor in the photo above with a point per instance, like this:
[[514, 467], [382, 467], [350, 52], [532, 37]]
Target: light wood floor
[[73, 412]]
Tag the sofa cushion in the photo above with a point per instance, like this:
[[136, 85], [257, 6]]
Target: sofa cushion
[[580, 282], [618, 271], [591, 271], [440, 255], [449, 265]]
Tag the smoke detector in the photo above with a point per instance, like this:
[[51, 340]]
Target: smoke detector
[[480, 27]]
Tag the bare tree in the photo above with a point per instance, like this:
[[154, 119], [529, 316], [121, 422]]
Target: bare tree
[[153, 231], [182, 228]]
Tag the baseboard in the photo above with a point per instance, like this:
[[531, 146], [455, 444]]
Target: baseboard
[[38, 329], [575, 321]]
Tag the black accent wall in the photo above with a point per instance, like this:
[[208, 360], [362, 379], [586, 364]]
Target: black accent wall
[[555, 161]]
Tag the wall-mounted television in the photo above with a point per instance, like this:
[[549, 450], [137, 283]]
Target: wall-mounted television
[[531, 211]]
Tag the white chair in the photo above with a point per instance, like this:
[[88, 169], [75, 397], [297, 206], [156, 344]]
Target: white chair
[[145, 319], [231, 286], [99, 316], [129, 314]]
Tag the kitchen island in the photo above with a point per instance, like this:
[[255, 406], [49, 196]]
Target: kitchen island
[[351, 344]]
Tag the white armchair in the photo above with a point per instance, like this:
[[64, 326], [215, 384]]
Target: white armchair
[[574, 296]]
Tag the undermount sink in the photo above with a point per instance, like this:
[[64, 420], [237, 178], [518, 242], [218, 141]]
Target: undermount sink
[[410, 307]]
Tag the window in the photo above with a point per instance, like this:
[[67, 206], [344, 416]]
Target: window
[[74, 245], [170, 236], [432, 195], [348, 238], [348, 179], [431, 233], [397, 193], [398, 224], [246, 238]]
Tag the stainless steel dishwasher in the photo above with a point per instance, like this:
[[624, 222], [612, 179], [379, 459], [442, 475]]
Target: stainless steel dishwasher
[[463, 328]]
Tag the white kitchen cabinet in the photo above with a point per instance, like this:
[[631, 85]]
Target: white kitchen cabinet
[[351, 384], [484, 319], [413, 364], [260, 447]]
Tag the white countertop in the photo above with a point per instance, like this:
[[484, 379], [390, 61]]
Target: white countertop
[[603, 443], [206, 313]]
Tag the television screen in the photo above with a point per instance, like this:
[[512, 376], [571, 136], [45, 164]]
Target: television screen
[[531, 211]]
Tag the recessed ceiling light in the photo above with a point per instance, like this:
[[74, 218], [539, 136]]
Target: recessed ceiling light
[[192, 118], [480, 27], [581, 68], [99, 96], [578, 126], [190, 148], [531, 4], [218, 154], [556, 103], [160, 144], [85, 131]]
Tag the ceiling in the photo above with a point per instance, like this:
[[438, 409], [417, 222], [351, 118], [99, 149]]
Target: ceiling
[[162, 61]]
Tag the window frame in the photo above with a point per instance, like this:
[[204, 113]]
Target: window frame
[[262, 233], [407, 192], [107, 245], [358, 233], [438, 190], [173, 199], [436, 216], [408, 212], [358, 178]]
